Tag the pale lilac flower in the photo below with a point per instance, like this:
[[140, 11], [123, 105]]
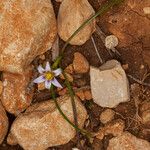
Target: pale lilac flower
[[48, 76]]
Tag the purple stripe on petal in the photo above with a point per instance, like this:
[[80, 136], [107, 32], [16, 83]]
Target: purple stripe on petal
[[56, 83], [40, 69], [47, 84], [40, 79], [57, 72], [48, 67]]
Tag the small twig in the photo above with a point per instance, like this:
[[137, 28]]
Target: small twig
[[138, 80], [93, 41]]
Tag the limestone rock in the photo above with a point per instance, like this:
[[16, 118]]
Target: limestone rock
[[107, 115], [80, 63], [3, 123], [72, 14], [42, 126], [127, 141], [15, 97], [115, 128], [27, 29], [109, 84]]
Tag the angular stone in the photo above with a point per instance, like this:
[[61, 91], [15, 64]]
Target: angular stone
[[3, 123], [42, 126], [15, 95], [109, 84], [80, 63], [27, 29], [127, 141]]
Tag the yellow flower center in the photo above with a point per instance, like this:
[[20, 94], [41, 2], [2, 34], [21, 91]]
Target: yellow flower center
[[49, 75]]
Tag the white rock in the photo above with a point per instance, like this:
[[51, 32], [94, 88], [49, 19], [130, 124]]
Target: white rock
[[109, 84], [127, 141], [42, 126], [111, 41]]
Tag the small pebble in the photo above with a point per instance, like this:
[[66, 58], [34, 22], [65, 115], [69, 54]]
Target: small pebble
[[107, 115], [88, 94], [69, 69], [80, 63], [146, 117], [81, 95], [146, 10], [125, 66], [42, 57], [41, 86], [111, 41]]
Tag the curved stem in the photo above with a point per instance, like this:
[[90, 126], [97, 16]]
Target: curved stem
[[57, 62], [100, 12], [65, 117]]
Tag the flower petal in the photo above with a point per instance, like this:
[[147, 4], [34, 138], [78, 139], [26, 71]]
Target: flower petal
[[47, 84], [56, 83], [57, 72], [48, 67], [40, 79], [40, 69]]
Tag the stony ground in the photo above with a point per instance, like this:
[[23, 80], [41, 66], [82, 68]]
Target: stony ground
[[108, 124]]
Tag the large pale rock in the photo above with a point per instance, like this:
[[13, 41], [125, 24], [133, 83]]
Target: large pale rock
[[15, 96], [27, 29], [109, 84], [3, 123], [71, 15], [127, 141], [42, 126]]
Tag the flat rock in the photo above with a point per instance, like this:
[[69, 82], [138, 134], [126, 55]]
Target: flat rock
[[127, 141], [15, 96], [80, 63], [109, 84], [3, 123], [42, 126], [27, 29]]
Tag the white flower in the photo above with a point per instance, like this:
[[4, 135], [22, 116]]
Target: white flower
[[48, 76]]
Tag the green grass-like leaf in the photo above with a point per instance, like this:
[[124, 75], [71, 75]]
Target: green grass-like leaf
[[106, 7]]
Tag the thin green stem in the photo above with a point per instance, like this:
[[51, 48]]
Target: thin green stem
[[100, 12], [64, 116], [58, 60]]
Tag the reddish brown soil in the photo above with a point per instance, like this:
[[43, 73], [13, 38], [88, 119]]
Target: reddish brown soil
[[125, 111]]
